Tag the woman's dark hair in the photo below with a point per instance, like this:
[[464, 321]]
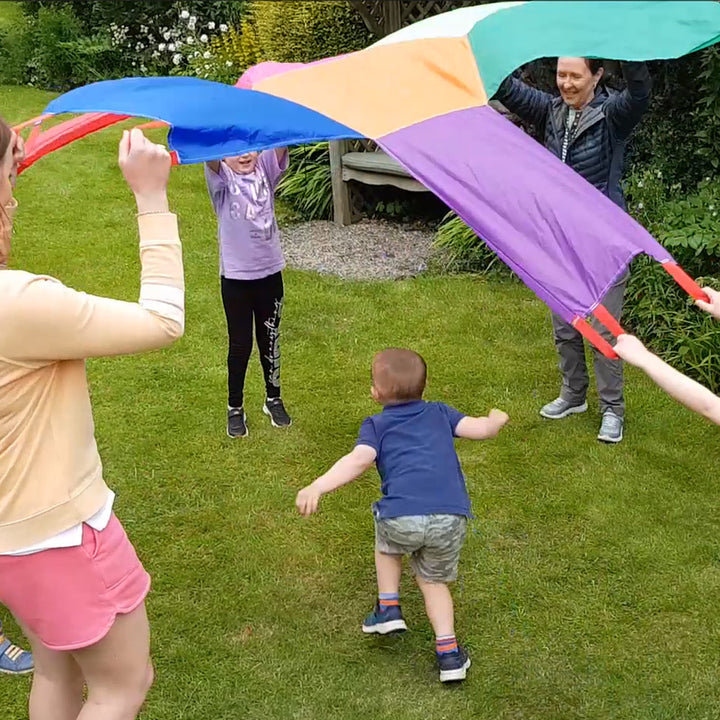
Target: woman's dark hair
[[594, 64]]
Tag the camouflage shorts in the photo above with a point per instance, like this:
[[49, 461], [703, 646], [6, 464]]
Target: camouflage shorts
[[432, 541]]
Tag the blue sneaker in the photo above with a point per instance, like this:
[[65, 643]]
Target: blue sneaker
[[14, 660], [382, 622], [454, 665]]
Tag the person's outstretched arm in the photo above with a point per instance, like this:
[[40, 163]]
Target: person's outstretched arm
[[48, 322], [482, 428], [345, 470], [528, 103], [627, 108], [686, 391]]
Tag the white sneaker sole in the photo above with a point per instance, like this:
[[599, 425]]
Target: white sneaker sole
[[611, 440], [389, 627], [573, 410], [454, 675], [272, 422]]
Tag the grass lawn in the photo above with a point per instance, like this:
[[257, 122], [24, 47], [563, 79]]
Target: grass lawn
[[590, 582]]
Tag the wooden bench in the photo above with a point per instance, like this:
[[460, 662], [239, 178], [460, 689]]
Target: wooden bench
[[370, 167]]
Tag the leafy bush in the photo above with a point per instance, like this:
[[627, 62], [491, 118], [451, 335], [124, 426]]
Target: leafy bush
[[49, 49], [292, 31], [307, 186], [63, 44], [463, 251], [687, 223]]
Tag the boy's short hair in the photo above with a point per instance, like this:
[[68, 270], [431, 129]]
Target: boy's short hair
[[399, 375]]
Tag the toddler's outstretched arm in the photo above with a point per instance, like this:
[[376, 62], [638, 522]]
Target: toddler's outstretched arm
[[482, 428], [686, 391], [345, 470]]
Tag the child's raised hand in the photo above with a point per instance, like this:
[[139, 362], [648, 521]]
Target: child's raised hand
[[712, 307], [630, 349], [145, 166], [307, 500]]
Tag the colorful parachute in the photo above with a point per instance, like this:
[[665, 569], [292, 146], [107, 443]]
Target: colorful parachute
[[422, 94]]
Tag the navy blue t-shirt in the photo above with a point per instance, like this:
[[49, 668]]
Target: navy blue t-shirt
[[416, 459]]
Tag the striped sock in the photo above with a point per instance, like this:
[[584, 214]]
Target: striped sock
[[386, 600], [445, 644]]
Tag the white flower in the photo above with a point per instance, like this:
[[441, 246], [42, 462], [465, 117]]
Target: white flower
[[196, 54], [177, 57], [203, 38], [166, 35], [206, 54], [714, 214], [640, 206], [191, 23], [184, 14], [659, 173], [189, 39], [711, 207], [707, 179], [228, 63], [640, 183], [171, 47], [211, 25], [223, 27], [155, 54], [161, 47]]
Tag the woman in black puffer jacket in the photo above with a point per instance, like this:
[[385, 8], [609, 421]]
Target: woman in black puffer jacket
[[587, 127]]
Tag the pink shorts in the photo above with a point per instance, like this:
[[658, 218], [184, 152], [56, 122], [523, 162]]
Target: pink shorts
[[69, 597]]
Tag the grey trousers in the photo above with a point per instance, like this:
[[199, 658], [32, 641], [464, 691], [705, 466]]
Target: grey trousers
[[571, 349]]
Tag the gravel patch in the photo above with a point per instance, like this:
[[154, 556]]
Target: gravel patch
[[366, 250]]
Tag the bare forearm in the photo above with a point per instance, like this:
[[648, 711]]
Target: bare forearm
[[686, 391], [344, 471]]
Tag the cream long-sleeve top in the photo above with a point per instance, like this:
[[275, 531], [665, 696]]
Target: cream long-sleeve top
[[50, 471]]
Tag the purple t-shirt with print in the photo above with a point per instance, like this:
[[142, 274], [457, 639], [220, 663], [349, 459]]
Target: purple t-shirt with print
[[245, 207]]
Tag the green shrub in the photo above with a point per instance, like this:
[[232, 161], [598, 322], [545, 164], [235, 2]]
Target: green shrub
[[292, 31], [463, 251], [49, 49], [307, 186]]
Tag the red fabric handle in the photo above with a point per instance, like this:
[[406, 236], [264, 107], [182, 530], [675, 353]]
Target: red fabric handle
[[685, 281], [593, 336], [604, 316]]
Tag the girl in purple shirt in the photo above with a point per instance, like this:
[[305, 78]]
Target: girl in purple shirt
[[242, 190]]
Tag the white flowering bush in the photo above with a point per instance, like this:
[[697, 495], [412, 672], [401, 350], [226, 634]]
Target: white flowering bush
[[179, 47], [117, 39]]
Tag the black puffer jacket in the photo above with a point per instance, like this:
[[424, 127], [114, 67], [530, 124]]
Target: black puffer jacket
[[597, 151]]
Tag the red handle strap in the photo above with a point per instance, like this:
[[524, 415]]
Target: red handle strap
[[593, 336], [685, 281], [604, 316]]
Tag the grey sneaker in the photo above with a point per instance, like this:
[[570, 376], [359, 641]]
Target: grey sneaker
[[611, 429], [559, 408]]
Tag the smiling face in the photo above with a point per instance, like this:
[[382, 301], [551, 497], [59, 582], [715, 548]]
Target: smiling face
[[576, 81], [242, 164]]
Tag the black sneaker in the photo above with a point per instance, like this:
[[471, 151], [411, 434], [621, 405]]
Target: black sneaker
[[275, 409], [236, 426], [454, 665]]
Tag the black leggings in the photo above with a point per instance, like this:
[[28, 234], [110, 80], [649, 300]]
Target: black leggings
[[244, 300]]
